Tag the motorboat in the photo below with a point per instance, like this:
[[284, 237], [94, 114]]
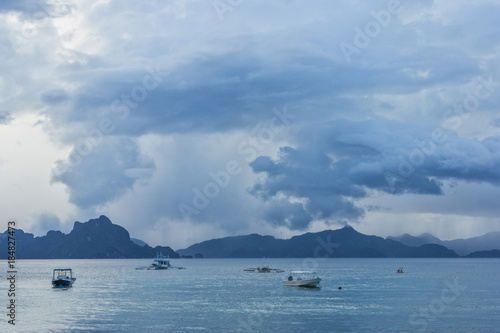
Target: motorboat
[[302, 279], [265, 269], [160, 262], [62, 278]]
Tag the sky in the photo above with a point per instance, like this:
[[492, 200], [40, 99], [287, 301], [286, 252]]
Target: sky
[[185, 120]]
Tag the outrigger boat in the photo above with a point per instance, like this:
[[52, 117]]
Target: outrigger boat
[[265, 269], [160, 262], [62, 278], [302, 279]]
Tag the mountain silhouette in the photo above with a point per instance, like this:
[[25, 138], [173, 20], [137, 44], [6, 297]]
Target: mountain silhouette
[[100, 238], [487, 242], [341, 243], [97, 238]]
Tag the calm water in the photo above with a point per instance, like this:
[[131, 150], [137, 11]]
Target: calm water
[[215, 295]]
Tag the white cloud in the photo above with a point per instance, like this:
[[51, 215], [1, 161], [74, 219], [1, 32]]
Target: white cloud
[[26, 162]]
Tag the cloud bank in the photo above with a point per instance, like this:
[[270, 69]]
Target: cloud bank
[[144, 102], [344, 161]]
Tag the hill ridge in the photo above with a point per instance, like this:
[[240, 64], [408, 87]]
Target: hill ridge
[[95, 239], [341, 243]]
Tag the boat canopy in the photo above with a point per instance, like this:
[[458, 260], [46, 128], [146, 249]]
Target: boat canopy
[[62, 271]]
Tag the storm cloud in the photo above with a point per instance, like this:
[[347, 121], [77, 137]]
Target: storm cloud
[[344, 161], [100, 173], [137, 105]]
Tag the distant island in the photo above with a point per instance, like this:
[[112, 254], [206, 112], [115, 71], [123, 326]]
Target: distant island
[[341, 243], [100, 238], [94, 239], [463, 247]]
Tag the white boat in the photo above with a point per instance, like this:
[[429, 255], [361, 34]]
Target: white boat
[[302, 279], [62, 278], [160, 262]]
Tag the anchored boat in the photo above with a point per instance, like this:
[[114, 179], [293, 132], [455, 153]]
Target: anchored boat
[[265, 269], [302, 279], [62, 278], [160, 262]]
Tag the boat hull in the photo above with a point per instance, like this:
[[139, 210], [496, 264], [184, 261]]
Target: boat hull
[[160, 263], [62, 283], [264, 270], [312, 283], [156, 268]]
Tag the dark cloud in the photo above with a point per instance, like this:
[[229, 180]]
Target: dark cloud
[[46, 221], [36, 10], [283, 213], [27, 6], [209, 94], [98, 173], [5, 117], [54, 97], [343, 161], [496, 122], [221, 93]]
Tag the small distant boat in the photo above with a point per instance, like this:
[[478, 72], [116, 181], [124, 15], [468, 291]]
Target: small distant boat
[[265, 269], [302, 279], [400, 270], [62, 278], [160, 262]]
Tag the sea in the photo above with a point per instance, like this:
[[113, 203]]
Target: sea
[[217, 295]]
